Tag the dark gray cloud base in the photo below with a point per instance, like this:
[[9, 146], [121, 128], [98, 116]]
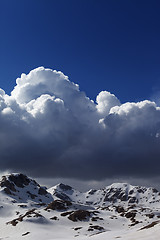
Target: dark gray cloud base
[[49, 128]]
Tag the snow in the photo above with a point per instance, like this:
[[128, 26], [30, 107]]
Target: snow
[[24, 216]]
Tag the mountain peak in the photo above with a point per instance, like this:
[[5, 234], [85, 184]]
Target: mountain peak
[[17, 179], [64, 187], [22, 188], [120, 206]]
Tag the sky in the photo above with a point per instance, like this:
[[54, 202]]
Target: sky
[[79, 98]]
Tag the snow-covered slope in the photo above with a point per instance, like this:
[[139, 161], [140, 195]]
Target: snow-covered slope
[[23, 189], [117, 193], [120, 210]]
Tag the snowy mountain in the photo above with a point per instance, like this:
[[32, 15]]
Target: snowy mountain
[[61, 212], [117, 193], [23, 189]]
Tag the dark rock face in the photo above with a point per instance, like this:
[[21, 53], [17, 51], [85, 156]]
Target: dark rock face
[[13, 184], [113, 194], [94, 219], [124, 197], [8, 191], [122, 194], [140, 190], [13, 181], [154, 190], [54, 218], [42, 191], [77, 228], [66, 213], [62, 196], [63, 191], [150, 225], [65, 187], [58, 205], [133, 200], [150, 215], [33, 196], [24, 234], [9, 185], [19, 180], [92, 191], [95, 227], [30, 213], [131, 192], [120, 209], [79, 215], [131, 214]]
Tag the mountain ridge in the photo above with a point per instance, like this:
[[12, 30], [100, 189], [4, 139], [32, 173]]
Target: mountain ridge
[[119, 208]]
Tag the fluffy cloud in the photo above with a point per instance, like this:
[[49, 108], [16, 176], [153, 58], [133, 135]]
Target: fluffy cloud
[[48, 127], [105, 101]]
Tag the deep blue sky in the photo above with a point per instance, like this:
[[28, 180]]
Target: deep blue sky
[[100, 44]]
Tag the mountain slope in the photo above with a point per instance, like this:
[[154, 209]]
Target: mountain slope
[[117, 193], [61, 212]]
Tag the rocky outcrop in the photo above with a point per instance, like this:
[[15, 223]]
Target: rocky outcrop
[[79, 215], [58, 205], [21, 188]]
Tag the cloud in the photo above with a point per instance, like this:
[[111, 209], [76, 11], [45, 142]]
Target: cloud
[[105, 101], [49, 128]]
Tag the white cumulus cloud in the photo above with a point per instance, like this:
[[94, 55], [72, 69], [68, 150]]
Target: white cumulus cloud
[[105, 101], [48, 127]]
